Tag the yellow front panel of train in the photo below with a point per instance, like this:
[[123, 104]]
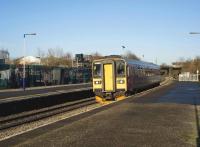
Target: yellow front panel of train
[[121, 83], [108, 77], [97, 83]]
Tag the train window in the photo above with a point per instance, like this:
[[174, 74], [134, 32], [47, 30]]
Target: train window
[[120, 66], [97, 70]]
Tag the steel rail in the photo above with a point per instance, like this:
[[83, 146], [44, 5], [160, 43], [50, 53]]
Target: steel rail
[[35, 115]]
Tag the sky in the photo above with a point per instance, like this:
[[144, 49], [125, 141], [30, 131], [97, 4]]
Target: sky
[[157, 29]]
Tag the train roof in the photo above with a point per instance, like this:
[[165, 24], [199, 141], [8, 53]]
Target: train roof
[[142, 64], [138, 63]]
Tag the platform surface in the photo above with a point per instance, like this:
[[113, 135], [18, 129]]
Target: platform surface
[[4, 94], [166, 117]]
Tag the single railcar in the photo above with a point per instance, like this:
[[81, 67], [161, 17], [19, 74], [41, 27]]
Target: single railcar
[[115, 77]]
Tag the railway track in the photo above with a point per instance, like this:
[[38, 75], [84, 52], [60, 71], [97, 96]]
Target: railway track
[[35, 115]]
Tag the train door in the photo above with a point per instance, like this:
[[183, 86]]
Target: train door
[[108, 77]]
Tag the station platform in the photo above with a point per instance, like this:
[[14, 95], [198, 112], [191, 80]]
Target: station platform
[[14, 93], [165, 117]]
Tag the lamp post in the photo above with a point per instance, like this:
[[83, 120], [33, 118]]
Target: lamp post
[[123, 47], [123, 50], [24, 63], [196, 33]]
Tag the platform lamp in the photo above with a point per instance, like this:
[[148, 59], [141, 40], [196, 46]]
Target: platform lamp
[[196, 33], [24, 63]]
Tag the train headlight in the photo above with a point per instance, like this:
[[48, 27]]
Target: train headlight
[[120, 81], [97, 82]]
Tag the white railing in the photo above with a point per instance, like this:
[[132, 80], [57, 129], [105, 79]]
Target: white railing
[[188, 77]]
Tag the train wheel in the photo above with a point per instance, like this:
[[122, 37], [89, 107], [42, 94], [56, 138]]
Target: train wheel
[[127, 94]]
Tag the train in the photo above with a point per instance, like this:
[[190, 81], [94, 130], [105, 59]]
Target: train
[[114, 77]]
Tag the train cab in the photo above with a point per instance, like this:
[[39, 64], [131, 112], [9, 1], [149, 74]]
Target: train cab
[[109, 78]]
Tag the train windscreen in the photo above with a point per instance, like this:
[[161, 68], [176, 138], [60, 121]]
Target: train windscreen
[[120, 66], [97, 70]]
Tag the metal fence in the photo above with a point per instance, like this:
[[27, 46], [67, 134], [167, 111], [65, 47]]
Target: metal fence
[[37, 75]]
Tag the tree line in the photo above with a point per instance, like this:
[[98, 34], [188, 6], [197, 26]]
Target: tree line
[[58, 57], [189, 65]]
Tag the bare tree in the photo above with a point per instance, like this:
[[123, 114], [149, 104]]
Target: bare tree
[[57, 57], [129, 55], [163, 65], [95, 56], [189, 65], [40, 53], [65, 60]]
